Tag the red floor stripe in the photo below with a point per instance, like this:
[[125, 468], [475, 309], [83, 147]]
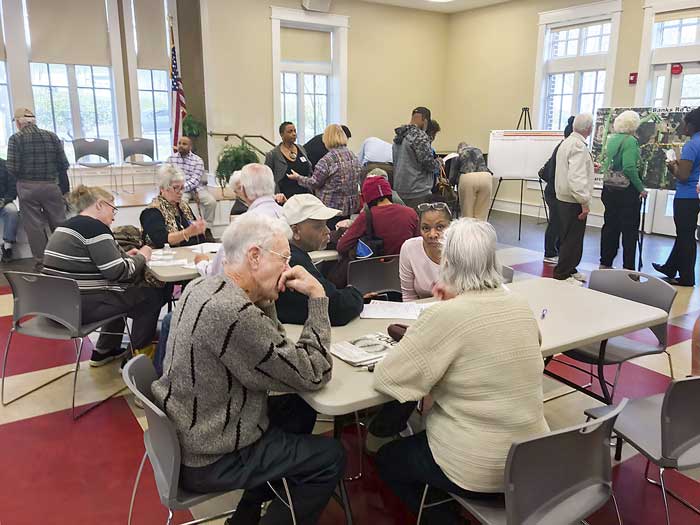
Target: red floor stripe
[[58, 471], [676, 334]]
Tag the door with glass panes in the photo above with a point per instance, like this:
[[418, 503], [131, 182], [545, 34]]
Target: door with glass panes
[[672, 91]]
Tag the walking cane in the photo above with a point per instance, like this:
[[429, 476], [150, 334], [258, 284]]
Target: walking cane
[[641, 233]]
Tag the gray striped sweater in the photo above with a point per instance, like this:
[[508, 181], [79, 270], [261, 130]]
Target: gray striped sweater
[[224, 355], [84, 249]]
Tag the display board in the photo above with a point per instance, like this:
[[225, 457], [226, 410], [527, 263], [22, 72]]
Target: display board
[[519, 154], [658, 136]]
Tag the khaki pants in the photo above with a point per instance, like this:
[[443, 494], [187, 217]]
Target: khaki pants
[[207, 204], [475, 194]]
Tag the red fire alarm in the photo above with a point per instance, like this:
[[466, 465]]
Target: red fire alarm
[[676, 69], [633, 78]]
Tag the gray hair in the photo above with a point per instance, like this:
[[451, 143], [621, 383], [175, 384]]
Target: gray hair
[[583, 123], [257, 180], [234, 179], [627, 122], [169, 173], [248, 230], [469, 257]]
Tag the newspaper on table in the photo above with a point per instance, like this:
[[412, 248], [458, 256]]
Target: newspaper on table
[[392, 310], [365, 350]]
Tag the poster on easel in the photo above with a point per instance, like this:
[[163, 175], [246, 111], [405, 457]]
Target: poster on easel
[[659, 137]]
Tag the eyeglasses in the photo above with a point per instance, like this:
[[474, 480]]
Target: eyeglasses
[[115, 210], [427, 206], [286, 258], [177, 189]]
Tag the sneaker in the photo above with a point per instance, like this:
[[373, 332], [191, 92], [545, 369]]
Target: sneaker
[[374, 443], [552, 260], [661, 269], [579, 277], [138, 403], [6, 254], [101, 358], [605, 267], [571, 280]]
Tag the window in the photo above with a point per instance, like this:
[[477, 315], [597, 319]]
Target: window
[[5, 112], [660, 91], [592, 91], [75, 101], [572, 93], [560, 94], [690, 90], [673, 33], [154, 100], [585, 40], [304, 101]]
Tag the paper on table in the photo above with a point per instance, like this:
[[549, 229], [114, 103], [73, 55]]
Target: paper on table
[[174, 262], [189, 266], [391, 310], [207, 247], [364, 350]]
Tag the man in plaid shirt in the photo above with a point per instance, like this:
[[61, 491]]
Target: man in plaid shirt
[[195, 183], [35, 157]]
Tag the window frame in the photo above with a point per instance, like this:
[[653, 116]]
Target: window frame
[[583, 17], [152, 91], [8, 121], [300, 69]]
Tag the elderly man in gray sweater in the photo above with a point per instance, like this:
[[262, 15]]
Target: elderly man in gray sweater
[[225, 353], [574, 186]]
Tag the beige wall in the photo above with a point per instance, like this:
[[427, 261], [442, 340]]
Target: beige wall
[[396, 59], [305, 45]]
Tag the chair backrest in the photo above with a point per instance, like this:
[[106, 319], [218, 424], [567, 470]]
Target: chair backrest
[[638, 287], [90, 146], [55, 298], [561, 477], [507, 273], [375, 274], [137, 146], [162, 443], [680, 425]]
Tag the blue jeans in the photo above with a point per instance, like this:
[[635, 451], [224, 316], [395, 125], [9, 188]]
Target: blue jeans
[[10, 218]]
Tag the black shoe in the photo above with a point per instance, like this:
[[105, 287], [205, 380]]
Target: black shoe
[[208, 236], [661, 269], [246, 513], [102, 358], [6, 254]]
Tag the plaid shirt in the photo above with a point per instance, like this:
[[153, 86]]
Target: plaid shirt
[[335, 180], [193, 167], [36, 154]]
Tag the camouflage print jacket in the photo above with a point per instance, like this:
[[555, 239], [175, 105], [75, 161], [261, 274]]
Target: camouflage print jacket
[[414, 162]]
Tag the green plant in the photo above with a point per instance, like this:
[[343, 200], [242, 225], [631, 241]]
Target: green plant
[[233, 158], [192, 127]]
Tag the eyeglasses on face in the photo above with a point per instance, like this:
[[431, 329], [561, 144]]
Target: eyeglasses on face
[[115, 210], [286, 258], [177, 189]]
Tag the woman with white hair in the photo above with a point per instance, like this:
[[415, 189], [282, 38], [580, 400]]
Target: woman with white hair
[[477, 353], [227, 352], [169, 220], [622, 192]]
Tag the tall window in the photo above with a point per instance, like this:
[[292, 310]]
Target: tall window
[[154, 100], [304, 101], [75, 101], [5, 112]]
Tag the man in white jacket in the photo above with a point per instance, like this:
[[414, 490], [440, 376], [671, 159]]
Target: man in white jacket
[[574, 186]]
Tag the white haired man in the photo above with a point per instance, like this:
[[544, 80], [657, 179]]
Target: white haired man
[[574, 186], [35, 157], [220, 367], [195, 183]]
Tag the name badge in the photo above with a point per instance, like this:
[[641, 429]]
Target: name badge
[[302, 158]]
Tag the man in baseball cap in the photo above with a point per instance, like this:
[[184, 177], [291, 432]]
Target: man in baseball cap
[[23, 113], [307, 217]]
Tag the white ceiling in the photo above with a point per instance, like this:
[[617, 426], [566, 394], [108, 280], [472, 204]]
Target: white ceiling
[[452, 6]]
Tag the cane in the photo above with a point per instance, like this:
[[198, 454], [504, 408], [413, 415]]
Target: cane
[[641, 233]]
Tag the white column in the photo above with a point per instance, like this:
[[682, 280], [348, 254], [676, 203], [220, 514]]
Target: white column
[[17, 55], [339, 92], [118, 77], [132, 88], [276, 83]]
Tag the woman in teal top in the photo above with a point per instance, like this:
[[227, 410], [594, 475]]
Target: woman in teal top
[[622, 205], [686, 206]]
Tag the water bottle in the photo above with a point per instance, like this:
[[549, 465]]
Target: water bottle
[[166, 249]]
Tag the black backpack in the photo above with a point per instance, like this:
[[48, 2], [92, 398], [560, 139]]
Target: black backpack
[[374, 243]]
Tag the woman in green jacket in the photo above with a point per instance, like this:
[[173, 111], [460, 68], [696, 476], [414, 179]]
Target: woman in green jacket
[[621, 196]]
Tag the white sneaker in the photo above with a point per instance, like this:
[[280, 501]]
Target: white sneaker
[[573, 281], [579, 277], [552, 260]]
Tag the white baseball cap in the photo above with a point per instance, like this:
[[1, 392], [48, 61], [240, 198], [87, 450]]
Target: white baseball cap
[[302, 207]]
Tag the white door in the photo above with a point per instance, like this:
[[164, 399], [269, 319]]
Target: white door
[[671, 91]]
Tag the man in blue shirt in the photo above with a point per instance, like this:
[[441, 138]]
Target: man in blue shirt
[[686, 206]]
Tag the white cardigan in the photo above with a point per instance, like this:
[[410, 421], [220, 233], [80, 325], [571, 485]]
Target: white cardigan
[[574, 175]]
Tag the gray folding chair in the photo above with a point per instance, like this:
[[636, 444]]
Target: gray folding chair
[[507, 272], [163, 449], [138, 146], [375, 274], [49, 308], [665, 428], [99, 148], [634, 286], [561, 477]]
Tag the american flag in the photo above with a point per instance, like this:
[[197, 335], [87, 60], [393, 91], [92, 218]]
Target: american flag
[[178, 104]]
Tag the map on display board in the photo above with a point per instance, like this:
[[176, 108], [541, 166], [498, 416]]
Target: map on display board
[[659, 140]]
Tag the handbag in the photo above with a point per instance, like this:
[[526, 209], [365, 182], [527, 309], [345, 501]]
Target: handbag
[[444, 189], [616, 179], [374, 244]]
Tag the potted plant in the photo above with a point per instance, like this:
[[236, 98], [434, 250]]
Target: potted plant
[[233, 158], [192, 127]]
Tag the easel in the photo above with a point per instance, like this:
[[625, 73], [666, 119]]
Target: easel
[[526, 123]]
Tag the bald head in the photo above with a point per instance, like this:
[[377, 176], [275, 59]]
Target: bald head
[[184, 146]]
